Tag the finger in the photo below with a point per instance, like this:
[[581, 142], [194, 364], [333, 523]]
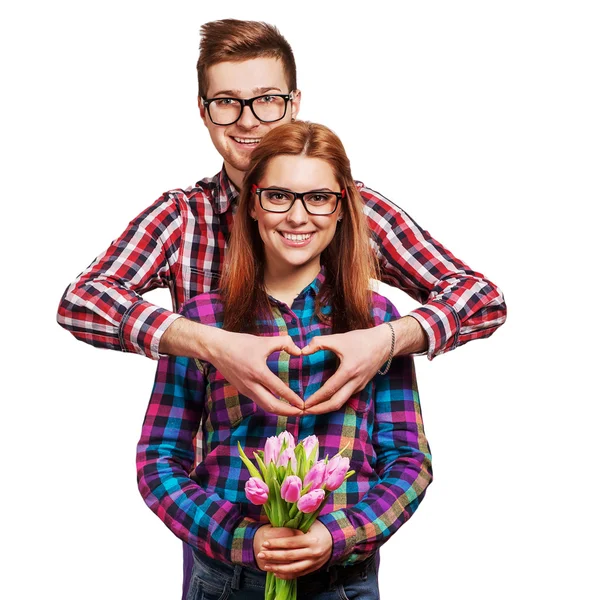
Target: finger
[[287, 543], [278, 532], [296, 569], [284, 556], [338, 380], [278, 389], [283, 343], [334, 403], [319, 342], [270, 404]]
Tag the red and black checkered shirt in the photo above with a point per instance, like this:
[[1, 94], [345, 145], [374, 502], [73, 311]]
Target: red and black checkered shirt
[[179, 242]]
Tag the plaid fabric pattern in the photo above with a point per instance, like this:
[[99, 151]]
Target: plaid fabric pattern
[[200, 495], [179, 243]]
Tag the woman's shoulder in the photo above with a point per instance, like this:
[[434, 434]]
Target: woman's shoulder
[[383, 309], [207, 308]]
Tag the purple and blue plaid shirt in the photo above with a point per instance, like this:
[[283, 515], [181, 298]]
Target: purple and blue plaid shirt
[[189, 470]]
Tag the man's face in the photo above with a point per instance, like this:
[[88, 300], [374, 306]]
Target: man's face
[[246, 79]]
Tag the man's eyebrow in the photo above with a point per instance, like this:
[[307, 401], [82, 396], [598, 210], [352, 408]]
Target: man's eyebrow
[[255, 91]]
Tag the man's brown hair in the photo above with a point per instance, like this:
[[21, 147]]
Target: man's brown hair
[[231, 40]]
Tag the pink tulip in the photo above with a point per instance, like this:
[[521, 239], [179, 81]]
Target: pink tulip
[[286, 436], [291, 488], [285, 457], [311, 501], [257, 491], [309, 444], [336, 471], [272, 449], [316, 475]]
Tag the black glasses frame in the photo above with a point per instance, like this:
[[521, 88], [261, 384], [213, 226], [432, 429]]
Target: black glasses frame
[[297, 196], [248, 102]]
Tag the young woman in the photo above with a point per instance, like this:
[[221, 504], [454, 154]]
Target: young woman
[[299, 266]]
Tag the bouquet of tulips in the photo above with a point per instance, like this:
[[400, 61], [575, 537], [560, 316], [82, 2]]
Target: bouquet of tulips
[[293, 486]]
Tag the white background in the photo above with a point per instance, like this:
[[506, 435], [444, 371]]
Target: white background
[[480, 119]]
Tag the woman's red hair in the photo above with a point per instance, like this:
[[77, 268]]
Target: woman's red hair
[[349, 260]]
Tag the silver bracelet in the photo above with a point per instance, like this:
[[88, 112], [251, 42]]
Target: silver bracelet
[[389, 360]]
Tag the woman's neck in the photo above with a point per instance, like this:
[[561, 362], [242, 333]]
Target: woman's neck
[[284, 284]]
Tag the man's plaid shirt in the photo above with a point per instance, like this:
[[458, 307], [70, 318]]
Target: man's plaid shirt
[[189, 470], [179, 242]]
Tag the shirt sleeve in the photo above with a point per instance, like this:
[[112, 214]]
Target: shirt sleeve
[[403, 464], [103, 306], [165, 458], [459, 304]]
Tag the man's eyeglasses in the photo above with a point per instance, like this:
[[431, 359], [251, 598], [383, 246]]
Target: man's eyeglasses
[[268, 108], [277, 200]]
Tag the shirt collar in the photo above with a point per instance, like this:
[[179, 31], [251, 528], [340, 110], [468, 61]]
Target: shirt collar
[[312, 288], [226, 195]]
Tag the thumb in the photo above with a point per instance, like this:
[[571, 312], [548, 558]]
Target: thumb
[[314, 346], [284, 343]]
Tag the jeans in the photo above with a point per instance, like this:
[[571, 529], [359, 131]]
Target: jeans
[[215, 580]]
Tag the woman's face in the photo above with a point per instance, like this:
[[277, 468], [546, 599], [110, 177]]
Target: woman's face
[[295, 239]]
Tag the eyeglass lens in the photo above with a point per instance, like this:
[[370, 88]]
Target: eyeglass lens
[[225, 111], [316, 203]]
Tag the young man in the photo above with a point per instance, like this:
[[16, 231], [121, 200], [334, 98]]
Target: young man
[[247, 86]]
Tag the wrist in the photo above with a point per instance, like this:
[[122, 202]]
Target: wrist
[[410, 336], [188, 338]]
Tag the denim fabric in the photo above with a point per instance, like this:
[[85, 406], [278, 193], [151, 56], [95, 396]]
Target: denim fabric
[[214, 580]]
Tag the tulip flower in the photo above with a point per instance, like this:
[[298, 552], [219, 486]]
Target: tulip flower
[[316, 475], [336, 472], [257, 491], [311, 501], [309, 444], [272, 449], [286, 436], [291, 488], [287, 455]]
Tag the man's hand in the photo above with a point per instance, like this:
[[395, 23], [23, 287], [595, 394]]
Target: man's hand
[[362, 353], [241, 359], [290, 555]]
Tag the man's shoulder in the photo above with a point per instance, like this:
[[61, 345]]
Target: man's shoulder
[[201, 191], [373, 197]]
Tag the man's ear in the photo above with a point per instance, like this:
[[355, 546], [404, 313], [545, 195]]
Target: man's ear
[[203, 114], [296, 103]]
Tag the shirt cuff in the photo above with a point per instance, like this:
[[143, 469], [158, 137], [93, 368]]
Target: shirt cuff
[[143, 326], [441, 325], [342, 533], [242, 549]]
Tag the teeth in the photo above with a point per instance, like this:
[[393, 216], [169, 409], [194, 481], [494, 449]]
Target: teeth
[[247, 140], [296, 237]]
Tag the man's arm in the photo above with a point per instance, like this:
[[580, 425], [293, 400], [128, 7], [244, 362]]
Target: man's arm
[[104, 307], [459, 305]]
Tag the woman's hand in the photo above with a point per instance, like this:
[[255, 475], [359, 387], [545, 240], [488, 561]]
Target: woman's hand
[[290, 555]]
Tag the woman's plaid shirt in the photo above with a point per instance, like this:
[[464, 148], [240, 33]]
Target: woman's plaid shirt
[[179, 243], [199, 491]]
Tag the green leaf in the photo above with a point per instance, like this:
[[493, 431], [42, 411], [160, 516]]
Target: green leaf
[[261, 464], [253, 470]]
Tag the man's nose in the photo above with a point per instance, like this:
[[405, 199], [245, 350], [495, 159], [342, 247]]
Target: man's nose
[[247, 119]]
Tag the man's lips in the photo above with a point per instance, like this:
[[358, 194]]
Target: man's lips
[[245, 141]]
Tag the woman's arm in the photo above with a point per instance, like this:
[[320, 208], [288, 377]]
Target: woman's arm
[[403, 464], [165, 457]]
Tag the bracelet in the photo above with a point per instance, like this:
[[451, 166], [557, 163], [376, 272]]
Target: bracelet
[[389, 360]]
